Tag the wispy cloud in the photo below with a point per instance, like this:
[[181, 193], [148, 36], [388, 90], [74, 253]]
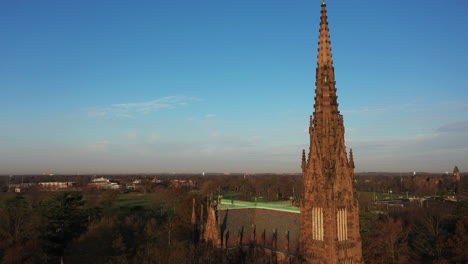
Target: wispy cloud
[[366, 109], [210, 115], [130, 110], [459, 126], [361, 110], [99, 146], [416, 106], [154, 137], [434, 152], [215, 134]]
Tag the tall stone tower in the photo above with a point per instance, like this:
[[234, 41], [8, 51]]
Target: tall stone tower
[[329, 210]]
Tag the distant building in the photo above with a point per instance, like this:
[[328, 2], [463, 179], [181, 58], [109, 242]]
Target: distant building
[[183, 183], [104, 184], [135, 186], [156, 180], [55, 186], [430, 181], [21, 187]]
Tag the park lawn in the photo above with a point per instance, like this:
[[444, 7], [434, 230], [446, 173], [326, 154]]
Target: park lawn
[[5, 196], [133, 199], [231, 195], [123, 199], [380, 196]]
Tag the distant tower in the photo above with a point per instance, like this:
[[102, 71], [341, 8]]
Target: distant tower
[[456, 174], [329, 210]]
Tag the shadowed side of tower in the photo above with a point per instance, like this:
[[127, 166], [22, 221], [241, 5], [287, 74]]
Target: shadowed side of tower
[[329, 210]]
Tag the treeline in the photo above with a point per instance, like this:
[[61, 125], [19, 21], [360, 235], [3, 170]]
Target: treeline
[[272, 187], [436, 233], [97, 227], [419, 185], [55, 227], [67, 227]]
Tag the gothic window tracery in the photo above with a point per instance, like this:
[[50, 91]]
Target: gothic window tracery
[[317, 223], [342, 224]]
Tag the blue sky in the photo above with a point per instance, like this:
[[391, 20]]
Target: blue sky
[[192, 86]]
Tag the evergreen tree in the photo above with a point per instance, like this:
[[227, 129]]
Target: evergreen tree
[[64, 220]]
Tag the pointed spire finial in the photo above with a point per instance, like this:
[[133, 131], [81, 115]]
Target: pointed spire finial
[[201, 213], [303, 165], [194, 219], [351, 158]]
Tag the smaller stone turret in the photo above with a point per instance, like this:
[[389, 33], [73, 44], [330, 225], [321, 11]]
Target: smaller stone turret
[[212, 232], [194, 217]]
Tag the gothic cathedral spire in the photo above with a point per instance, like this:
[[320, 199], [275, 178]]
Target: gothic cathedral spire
[[329, 210]]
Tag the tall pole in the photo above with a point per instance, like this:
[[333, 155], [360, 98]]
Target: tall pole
[[9, 182]]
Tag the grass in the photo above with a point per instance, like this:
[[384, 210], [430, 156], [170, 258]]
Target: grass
[[380, 196], [130, 200], [4, 196], [232, 195], [123, 200]]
